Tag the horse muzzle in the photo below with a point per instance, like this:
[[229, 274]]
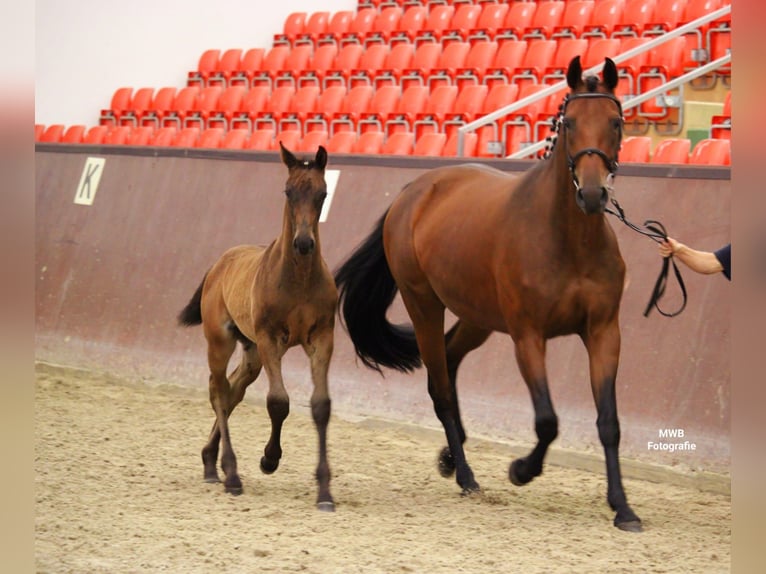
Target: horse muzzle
[[592, 199], [304, 244]]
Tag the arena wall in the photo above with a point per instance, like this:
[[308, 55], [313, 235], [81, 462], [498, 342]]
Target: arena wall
[[112, 276]]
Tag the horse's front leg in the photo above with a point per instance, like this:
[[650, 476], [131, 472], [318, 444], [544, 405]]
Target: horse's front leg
[[319, 350], [530, 355], [603, 344], [277, 400]]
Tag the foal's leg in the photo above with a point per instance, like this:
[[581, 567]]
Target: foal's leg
[[460, 340], [220, 349], [277, 400], [319, 351], [604, 350], [245, 373], [530, 355], [427, 314]]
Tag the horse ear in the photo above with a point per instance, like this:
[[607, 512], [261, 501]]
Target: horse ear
[[287, 157], [574, 73], [321, 158], [610, 74]]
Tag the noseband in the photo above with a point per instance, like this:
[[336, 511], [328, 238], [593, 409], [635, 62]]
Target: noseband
[[611, 163]]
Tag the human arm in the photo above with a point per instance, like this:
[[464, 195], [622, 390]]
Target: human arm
[[700, 261]]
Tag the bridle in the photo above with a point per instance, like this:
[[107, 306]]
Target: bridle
[[611, 163]]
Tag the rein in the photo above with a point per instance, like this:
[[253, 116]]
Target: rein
[[655, 231]]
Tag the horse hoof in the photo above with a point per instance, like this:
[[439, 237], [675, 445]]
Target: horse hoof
[[446, 463], [471, 490], [234, 490], [268, 466], [326, 506], [630, 526], [514, 471], [212, 479]]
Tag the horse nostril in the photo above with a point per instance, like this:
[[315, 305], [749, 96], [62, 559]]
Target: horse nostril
[[303, 245]]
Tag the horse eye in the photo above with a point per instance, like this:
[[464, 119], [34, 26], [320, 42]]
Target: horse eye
[[568, 123], [617, 124]]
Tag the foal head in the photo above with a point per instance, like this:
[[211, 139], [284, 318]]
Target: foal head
[[306, 191], [591, 130]]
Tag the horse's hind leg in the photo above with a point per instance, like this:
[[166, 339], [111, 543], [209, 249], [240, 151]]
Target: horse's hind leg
[[530, 355], [603, 350], [319, 349], [461, 339], [245, 373]]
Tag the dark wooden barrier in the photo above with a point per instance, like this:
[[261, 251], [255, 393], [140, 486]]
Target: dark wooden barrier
[[111, 278]]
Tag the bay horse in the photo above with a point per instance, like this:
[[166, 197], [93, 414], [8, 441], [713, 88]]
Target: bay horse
[[270, 299], [532, 256]]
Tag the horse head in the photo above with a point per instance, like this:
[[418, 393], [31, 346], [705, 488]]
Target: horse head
[[591, 127], [306, 191]]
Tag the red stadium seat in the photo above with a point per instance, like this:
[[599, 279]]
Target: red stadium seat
[[410, 24], [315, 26], [430, 144], [301, 105], [469, 145], [297, 62], [74, 134], [187, 137], [383, 103], [182, 105], [228, 65], [321, 63], [397, 60], [440, 102], [439, 18], [711, 152], [312, 140], [465, 19], [635, 16], [537, 59], [547, 16], [518, 19], [206, 66], [141, 135], [664, 63], [254, 102], [164, 136], [510, 56], [425, 58], [370, 63], [356, 102], [39, 130], [567, 49], [525, 117], [96, 135], [53, 133], [117, 135], [119, 105], [451, 59], [249, 65], [210, 138], [577, 15], [235, 139], [598, 49], [227, 107], [369, 142], [672, 151], [399, 143], [630, 68], [139, 105], [261, 139], [346, 61], [480, 57], [411, 103], [277, 106], [720, 124], [337, 26], [491, 19], [272, 65], [605, 16], [292, 27], [385, 25], [342, 142], [636, 149], [328, 105], [291, 139], [204, 106], [360, 26], [467, 107], [667, 16]]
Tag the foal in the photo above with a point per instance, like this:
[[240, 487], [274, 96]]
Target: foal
[[270, 299]]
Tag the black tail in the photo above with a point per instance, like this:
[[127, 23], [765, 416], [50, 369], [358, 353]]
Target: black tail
[[366, 290], [192, 314]]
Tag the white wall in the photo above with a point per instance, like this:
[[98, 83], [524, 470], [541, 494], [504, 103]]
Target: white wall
[[86, 49]]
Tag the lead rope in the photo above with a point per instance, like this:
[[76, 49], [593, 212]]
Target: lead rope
[[656, 232]]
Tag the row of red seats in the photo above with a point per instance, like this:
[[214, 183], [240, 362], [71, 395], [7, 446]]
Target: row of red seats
[[488, 20], [370, 142], [709, 151]]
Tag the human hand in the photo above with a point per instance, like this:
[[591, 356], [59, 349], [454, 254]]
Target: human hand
[[669, 247]]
